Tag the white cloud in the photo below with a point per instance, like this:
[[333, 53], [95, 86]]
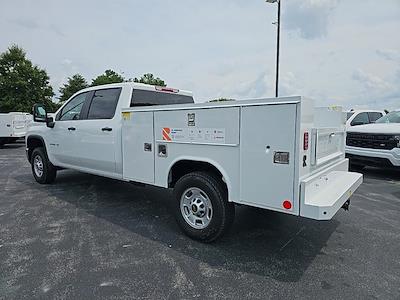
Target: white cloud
[[371, 82], [66, 62], [223, 48], [310, 18], [389, 54], [377, 91], [290, 85]]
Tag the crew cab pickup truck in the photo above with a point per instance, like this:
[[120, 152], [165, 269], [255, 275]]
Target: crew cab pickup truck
[[375, 144], [13, 126], [267, 153]]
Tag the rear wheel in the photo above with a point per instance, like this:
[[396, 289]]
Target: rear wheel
[[201, 208], [42, 169]]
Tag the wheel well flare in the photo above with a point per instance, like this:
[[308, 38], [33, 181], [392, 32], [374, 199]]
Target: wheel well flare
[[184, 167], [32, 143]]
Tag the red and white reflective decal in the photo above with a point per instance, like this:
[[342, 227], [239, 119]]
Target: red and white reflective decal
[[166, 134]]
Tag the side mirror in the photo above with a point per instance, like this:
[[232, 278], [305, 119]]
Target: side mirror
[[50, 122], [39, 113]]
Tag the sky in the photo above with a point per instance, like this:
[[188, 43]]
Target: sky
[[337, 52]]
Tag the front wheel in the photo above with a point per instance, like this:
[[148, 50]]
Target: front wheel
[[42, 169], [201, 207]]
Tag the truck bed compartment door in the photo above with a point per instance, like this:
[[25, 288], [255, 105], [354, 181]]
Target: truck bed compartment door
[[327, 144], [268, 157], [138, 146]]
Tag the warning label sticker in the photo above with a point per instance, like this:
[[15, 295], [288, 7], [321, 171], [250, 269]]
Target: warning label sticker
[[126, 116], [194, 135]]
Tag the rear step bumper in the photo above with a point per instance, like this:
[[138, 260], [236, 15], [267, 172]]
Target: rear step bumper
[[323, 194]]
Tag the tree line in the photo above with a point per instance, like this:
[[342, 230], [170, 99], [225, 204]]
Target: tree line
[[77, 82], [22, 84]]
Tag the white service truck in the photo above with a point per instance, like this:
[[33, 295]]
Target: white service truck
[[13, 126], [281, 154]]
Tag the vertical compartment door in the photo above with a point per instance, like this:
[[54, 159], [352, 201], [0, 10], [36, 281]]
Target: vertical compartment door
[[265, 130], [138, 146]]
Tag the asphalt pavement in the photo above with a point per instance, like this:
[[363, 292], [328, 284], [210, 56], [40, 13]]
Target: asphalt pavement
[[87, 237]]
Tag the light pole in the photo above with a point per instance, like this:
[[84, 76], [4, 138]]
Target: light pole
[[277, 43]]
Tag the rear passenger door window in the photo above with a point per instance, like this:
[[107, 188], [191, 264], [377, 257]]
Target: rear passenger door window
[[104, 103], [360, 119], [373, 116]]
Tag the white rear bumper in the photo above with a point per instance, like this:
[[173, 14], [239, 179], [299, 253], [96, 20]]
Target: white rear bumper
[[324, 193]]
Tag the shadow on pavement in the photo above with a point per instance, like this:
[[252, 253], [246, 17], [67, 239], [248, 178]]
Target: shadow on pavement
[[261, 242], [15, 145], [380, 173]]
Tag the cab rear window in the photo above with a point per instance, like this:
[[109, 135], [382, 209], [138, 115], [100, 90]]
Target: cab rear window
[[148, 98]]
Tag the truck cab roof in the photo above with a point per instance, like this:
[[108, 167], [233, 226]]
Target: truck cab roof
[[139, 86]]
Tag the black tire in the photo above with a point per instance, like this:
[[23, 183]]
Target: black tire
[[2, 141], [49, 172], [223, 212]]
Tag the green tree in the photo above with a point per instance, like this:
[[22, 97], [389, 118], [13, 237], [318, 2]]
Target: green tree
[[74, 84], [149, 78], [109, 76], [22, 84]]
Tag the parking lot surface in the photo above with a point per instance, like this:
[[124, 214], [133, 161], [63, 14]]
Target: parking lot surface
[[87, 237]]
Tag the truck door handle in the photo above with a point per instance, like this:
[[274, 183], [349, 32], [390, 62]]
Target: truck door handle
[[106, 129], [71, 128]]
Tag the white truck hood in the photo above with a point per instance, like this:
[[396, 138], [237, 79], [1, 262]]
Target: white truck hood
[[384, 128]]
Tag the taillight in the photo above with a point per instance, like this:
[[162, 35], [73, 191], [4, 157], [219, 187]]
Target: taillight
[[165, 89], [305, 141], [287, 204]]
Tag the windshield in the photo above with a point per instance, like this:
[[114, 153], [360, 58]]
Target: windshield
[[392, 117], [349, 114]]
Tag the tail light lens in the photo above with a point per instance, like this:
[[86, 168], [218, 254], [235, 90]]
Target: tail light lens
[[287, 204], [166, 89], [305, 141]]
